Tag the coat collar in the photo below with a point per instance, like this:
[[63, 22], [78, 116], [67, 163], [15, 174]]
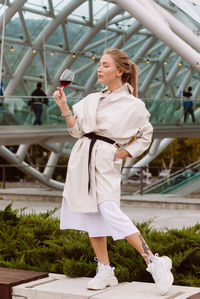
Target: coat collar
[[125, 87]]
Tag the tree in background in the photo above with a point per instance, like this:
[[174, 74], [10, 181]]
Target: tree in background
[[180, 153]]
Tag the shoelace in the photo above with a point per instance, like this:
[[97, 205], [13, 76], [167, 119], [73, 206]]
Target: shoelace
[[150, 259], [99, 263], [157, 272], [100, 268]]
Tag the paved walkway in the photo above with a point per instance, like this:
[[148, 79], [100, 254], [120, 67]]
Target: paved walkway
[[169, 211]]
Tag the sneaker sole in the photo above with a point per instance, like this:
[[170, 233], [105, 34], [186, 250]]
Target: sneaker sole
[[111, 283]]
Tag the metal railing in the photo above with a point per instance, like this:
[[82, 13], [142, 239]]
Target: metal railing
[[175, 180], [141, 183]]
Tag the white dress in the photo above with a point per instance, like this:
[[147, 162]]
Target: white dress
[[108, 221]]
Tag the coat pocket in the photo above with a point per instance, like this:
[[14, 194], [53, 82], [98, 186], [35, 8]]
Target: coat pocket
[[117, 164]]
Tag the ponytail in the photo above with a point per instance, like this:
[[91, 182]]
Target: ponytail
[[129, 68], [133, 81]]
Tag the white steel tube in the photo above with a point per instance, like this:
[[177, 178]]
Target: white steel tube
[[161, 30], [2, 42], [48, 30], [11, 10], [180, 29]]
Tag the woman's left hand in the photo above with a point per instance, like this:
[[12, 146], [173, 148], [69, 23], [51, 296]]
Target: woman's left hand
[[121, 154]]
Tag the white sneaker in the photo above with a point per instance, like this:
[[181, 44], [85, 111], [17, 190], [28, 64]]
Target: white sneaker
[[160, 270], [105, 277]]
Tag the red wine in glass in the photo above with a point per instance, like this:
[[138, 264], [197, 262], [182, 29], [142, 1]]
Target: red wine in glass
[[64, 83], [66, 78]]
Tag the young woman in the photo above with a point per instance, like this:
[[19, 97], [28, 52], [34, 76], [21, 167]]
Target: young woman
[[103, 122]]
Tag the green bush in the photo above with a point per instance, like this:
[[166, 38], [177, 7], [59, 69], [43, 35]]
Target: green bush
[[35, 242]]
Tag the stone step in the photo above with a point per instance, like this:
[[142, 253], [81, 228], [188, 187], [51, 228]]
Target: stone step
[[60, 287]]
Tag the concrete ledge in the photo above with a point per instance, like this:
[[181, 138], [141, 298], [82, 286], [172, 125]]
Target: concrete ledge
[[31, 194], [169, 201], [10, 135], [60, 287]]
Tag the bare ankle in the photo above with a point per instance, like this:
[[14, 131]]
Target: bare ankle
[[105, 263], [102, 261], [148, 258]]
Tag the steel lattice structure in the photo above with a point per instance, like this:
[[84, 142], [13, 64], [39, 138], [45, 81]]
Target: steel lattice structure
[[152, 32]]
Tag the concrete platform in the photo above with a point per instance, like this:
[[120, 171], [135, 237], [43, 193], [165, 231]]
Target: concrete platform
[[61, 287]]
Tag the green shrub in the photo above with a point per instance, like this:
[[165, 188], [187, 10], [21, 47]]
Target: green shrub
[[35, 242]]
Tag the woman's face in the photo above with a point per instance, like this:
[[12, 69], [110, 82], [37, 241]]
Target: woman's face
[[107, 71]]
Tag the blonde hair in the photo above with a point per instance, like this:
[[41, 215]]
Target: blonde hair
[[129, 68]]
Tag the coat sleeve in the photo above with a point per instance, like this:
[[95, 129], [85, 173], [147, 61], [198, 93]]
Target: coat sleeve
[[141, 142], [76, 131]]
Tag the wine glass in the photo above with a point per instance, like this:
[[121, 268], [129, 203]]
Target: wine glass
[[66, 78]]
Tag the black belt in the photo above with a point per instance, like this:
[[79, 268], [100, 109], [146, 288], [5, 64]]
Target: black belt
[[94, 138]]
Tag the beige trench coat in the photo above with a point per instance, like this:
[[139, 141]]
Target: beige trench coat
[[118, 116]]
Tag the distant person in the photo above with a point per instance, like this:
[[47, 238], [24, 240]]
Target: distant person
[[36, 103], [1, 99], [188, 104]]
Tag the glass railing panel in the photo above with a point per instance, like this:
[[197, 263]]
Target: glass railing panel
[[176, 180], [16, 111], [188, 176], [170, 111]]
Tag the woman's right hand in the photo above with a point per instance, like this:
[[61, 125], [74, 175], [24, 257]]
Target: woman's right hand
[[60, 98]]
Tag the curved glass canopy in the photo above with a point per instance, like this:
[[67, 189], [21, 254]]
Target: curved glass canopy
[[42, 37]]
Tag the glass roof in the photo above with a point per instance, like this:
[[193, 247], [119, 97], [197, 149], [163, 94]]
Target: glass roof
[[190, 7], [77, 34]]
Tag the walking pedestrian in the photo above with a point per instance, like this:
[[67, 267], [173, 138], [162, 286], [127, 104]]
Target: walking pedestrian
[[36, 103], [188, 104], [1, 100]]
